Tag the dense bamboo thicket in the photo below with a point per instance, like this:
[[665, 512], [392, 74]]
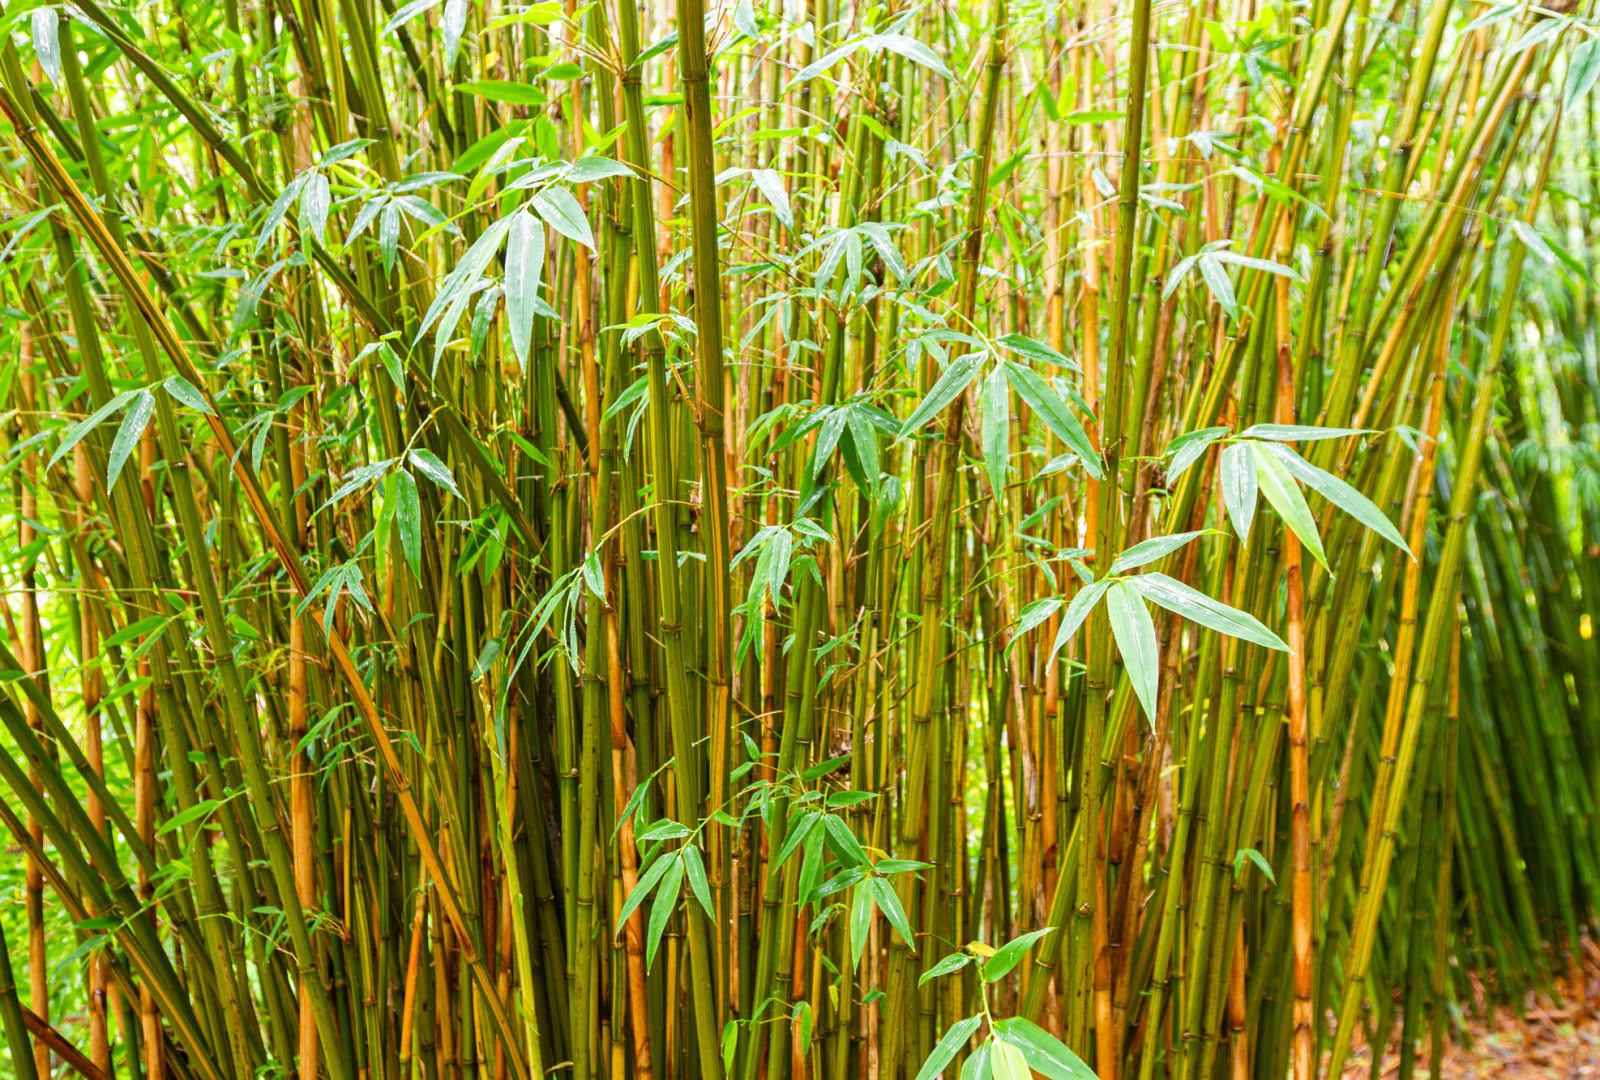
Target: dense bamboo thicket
[[809, 540]]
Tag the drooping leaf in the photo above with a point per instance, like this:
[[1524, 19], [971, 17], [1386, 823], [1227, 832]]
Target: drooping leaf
[[1135, 633], [1187, 448], [408, 519], [1076, 612], [945, 1050], [128, 435], [1340, 494], [1284, 495], [1239, 487], [524, 265], [1148, 551], [1044, 1053], [771, 186], [888, 902], [945, 390], [661, 910], [75, 434], [996, 428], [562, 213], [427, 463], [1196, 606], [1060, 419]]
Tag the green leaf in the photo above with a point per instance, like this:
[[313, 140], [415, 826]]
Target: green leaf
[[1196, 606], [128, 435], [661, 911], [696, 870], [1135, 633], [860, 923], [1256, 857], [1300, 432], [954, 962], [428, 464], [1216, 279], [183, 817], [75, 434], [1044, 401], [945, 1050], [1239, 487], [1187, 448], [730, 1045], [642, 889], [1340, 494], [1007, 1062], [1076, 612], [843, 842], [976, 1066], [1034, 350], [996, 428], [407, 13], [511, 93], [564, 215], [910, 48], [1149, 551], [945, 390], [888, 902], [47, 42], [1583, 69], [408, 519], [1284, 495], [1034, 614], [664, 829], [524, 264], [1011, 953], [1044, 1053], [771, 186], [185, 391]]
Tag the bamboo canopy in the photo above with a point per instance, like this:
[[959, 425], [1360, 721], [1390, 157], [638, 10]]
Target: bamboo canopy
[[793, 540]]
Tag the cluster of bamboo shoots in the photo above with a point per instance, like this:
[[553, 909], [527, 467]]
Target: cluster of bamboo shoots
[[816, 540]]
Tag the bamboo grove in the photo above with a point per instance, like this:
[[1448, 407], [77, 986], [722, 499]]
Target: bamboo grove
[[823, 540]]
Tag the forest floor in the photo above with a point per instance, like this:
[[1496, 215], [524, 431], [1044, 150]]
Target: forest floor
[[1546, 1040]]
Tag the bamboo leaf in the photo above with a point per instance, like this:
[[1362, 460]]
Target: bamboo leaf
[[563, 214], [996, 428], [1196, 606], [1239, 486], [910, 48], [1187, 448], [1010, 954], [1157, 547], [1045, 402], [888, 902], [696, 872], [945, 1050], [184, 390], [46, 43], [428, 464], [1216, 279], [661, 910], [1008, 1062], [641, 891], [1076, 612], [1284, 495], [453, 24], [1340, 494], [408, 519], [948, 387], [1044, 1053], [75, 434], [1583, 69], [128, 435], [1299, 432], [860, 923], [524, 264], [1135, 633], [770, 186], [954, 962]]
